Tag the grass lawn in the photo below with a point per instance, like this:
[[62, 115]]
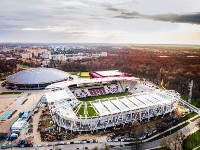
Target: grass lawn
[[193, 101], [168, 132], [6, 93], [102, 96], [84, 77], [161, 148], [73, 73], [191, 115], [192, 141], [90, 109], [81, 110], [195, 118]]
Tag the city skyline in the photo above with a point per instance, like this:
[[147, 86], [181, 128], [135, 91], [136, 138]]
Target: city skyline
[[89, 21]]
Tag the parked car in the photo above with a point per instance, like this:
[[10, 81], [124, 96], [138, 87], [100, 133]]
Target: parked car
[[25, 143], [6, 145], [12, 137], [67, 143], [61, 143]]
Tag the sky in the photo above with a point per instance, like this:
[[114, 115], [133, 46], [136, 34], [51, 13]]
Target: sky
[[100, 21]]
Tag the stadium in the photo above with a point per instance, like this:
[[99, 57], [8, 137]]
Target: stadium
[[100, 103], [35, 78]]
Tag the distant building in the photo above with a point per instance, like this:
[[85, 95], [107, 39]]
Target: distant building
[[104, 54], [26, 55], [59, 57], [36, 50], [46, 55], [2, 56]]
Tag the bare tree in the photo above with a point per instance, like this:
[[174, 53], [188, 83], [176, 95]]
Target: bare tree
[[198, 123], [137, 145], [177, 141], [165, 143], [106, 147], [136, 130], [95, 148]]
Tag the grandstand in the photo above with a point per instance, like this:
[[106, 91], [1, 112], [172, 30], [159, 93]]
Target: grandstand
[[100, 103]]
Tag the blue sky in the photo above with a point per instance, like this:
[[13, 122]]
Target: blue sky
[[101, 21]]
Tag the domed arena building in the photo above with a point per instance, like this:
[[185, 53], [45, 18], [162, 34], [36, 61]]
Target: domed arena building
[[36, 78]]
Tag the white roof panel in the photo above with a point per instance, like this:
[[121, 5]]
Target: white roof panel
[[112, 108], [152, 99], [160, 98], [101, 109], [137, 102], [120, 105], [109, 73], [128, 103], [67, 112], [57, 95], [144, 100]]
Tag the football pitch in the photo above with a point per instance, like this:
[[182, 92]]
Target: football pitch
[[85, 108]]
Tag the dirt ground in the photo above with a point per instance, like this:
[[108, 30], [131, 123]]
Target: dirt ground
[[9, 102]]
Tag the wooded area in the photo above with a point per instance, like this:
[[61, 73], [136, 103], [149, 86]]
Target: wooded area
[[176, 66]]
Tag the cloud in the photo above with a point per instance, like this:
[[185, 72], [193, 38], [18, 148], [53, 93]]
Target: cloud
[[91, 20], [191, 18]]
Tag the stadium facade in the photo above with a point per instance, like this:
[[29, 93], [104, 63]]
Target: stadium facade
[[143, 100], [35, 78]]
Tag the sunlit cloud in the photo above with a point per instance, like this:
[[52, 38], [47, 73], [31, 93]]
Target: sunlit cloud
[[128, 21]]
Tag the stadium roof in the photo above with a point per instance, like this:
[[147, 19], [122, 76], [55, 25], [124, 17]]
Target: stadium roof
[[37, 76], [88, 81], [109, 73]]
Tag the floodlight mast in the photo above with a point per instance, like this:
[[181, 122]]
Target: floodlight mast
[[190, 91]]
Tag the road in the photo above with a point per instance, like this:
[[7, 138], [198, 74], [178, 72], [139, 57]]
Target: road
[[189, 129]]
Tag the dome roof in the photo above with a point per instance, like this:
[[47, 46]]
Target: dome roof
[[38, 76]]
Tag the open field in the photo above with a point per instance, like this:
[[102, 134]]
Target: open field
[[195, 118], [90, 110], [6, 93], [103, 96], [192, 141]]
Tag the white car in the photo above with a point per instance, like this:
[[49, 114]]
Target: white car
[[77, 142]]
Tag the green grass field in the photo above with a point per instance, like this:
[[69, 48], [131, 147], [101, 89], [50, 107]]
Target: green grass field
[[81, 110], [191, 115], [193, 101], [103, 96], [90, 110], [195, 118], [192, 141], [6, 93]]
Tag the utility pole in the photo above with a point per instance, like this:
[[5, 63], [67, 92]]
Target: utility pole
[[190, 91]]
